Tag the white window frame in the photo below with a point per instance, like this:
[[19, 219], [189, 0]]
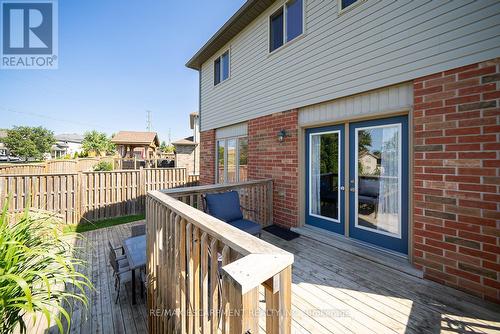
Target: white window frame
[[285, 42], [228, 51], [237, 159], [348, 8], [400, 170]]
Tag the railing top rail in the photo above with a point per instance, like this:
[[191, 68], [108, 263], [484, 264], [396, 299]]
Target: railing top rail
[[211, 187]]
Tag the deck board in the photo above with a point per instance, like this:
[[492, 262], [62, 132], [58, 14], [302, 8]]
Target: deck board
[[333, 290]]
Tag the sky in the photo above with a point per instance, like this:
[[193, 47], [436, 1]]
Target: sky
[[117, 59]]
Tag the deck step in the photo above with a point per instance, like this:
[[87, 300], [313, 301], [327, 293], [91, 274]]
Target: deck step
[[369, 252]]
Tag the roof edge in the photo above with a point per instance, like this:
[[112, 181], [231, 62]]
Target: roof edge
[[196, 61]]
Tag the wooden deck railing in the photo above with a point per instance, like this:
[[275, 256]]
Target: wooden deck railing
[[204, 275]]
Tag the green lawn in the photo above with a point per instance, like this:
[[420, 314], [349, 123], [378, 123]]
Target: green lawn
[[94, 225]]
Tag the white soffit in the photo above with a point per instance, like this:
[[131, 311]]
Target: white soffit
[[236, 130], [393, 98]]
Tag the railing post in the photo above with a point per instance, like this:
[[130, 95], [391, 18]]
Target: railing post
[[243, 308], [269, 208], [279, 303]]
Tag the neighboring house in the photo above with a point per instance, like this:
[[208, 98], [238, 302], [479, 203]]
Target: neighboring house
[[187, 151], [135, 144], [66, 144], [369, 163], [419, 81], [4, 152]]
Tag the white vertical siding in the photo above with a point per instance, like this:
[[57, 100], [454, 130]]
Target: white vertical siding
[[377, 44], [393, 98]]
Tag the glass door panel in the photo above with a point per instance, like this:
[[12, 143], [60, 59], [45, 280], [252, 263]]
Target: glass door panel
[[231, 160], [220, 161], [378, 182], [325, 178], [378, 179]]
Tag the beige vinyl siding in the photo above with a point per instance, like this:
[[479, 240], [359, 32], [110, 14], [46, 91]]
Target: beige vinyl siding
[[376, 44], [237, 130], [384, 100]]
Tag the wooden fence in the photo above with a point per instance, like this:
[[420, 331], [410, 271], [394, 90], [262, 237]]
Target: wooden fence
[[88, 195], [77, 165], [206, 274], [53, 166]]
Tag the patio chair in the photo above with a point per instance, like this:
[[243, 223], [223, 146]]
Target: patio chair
[[122, 258], [226, 207], [369, 193], [138, 230], [122, 274]]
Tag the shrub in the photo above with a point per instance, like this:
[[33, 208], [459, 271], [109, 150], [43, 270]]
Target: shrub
[[37, 267], [103, 166]]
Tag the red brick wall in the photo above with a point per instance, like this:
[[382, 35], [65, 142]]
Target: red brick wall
[[457, 177], [207, 157], [269, 158]]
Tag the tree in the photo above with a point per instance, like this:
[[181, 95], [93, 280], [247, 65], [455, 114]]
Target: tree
[[97, 142], [166, 148], [29, 142]]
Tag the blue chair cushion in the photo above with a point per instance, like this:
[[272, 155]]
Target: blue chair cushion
[[247, 226], [224, 206]]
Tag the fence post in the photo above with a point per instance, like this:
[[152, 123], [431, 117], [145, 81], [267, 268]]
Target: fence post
[[79, 198], [142, 188]]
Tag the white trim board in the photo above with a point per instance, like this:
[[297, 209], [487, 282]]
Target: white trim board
[[237, 130], [392, 98]]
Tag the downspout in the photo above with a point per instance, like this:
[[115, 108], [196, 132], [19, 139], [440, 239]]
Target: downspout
[[198, 147]]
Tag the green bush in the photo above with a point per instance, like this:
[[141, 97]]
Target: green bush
[[37, 266], [103, 166]]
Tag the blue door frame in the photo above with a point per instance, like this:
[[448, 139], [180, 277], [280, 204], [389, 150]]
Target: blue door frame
[[395, 243], [392, 242], [316, 220]]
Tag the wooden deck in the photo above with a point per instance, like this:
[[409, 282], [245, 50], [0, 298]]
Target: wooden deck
[[103, 315], [333, 292]]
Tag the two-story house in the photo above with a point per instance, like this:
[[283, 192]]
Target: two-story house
[[377, 120]]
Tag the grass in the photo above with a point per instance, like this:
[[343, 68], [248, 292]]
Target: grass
[[95, 225]]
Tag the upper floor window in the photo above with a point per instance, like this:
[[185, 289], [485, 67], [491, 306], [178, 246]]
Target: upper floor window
[[221, 68], [346, 3], [286, 24]]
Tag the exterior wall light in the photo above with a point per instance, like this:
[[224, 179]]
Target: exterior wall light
[[282, 134]]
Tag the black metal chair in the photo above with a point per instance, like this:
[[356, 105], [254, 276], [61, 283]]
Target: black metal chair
[[122, 273], [138, 230], [121, 258]]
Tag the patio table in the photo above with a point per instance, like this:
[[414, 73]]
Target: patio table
[[135, 250]]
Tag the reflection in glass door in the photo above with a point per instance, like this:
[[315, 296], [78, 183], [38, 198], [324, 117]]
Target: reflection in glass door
[[324, 175], [378, 182]]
